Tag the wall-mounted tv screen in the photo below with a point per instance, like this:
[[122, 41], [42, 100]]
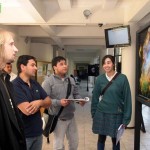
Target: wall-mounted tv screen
[[143, 62], [118, 37]]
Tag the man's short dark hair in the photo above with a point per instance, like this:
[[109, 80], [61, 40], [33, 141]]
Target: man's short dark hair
[[23, 59], [57, 59]]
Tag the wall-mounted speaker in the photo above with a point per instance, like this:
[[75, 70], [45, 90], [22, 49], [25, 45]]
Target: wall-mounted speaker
[[93, 70]]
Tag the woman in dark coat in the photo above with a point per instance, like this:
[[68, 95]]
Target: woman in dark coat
[[11, 127]]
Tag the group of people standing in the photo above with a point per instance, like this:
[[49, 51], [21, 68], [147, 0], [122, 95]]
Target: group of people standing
[[22, 98]]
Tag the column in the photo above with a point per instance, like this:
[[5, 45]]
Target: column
[[129, 67]]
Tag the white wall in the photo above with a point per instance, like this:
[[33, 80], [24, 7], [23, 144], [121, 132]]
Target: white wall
[[128, 67], [22, 46], [23, 49], [42, 52], [61, 53], [71, 66]]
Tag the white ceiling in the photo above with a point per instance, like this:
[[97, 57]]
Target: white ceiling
[[62, 23]]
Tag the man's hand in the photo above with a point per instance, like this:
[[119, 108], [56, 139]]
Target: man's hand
[[64, 102], [82, 103], [34, 106]]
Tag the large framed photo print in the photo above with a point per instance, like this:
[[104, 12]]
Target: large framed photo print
[[143, 63]]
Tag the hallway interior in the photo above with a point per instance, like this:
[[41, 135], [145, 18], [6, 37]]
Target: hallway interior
[[88, 140]]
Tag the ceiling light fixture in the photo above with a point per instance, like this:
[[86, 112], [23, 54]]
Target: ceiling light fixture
[[87, 13]]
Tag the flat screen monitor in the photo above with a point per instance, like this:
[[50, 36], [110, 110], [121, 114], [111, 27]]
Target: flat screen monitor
[[118, 37]]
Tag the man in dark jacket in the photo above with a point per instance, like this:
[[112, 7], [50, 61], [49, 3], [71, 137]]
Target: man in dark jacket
[[11, 127]]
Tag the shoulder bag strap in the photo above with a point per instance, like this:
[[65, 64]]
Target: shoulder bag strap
[[106, 87], [68, 93]]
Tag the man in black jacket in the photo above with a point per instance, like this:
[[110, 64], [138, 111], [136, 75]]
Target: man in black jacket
[[11, 127]]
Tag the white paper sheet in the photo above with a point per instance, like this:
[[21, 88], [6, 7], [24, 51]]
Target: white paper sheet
[[120, 132], [86, 99]]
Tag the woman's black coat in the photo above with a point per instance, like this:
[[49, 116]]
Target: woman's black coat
[[11, 126]]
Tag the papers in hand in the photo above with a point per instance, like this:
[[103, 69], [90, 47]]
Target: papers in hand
[[120, 132], [86, 99]]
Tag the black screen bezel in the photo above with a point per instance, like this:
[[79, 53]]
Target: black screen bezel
[[117, 45]]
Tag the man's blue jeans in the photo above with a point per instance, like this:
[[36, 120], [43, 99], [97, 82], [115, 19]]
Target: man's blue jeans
[[34, 143]]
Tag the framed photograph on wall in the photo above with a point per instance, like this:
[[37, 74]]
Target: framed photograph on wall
[[143, 63], [43, 69]]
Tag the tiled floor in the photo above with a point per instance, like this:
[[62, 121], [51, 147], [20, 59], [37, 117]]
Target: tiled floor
[[88, 140]]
